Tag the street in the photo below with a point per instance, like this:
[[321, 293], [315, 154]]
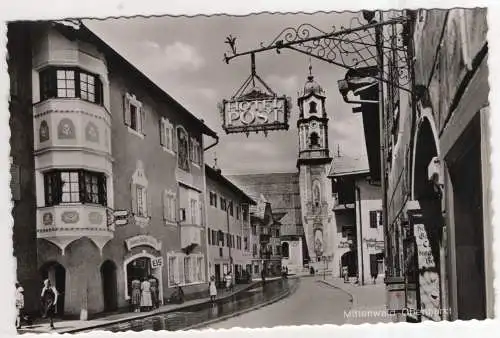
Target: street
[[312, 303]]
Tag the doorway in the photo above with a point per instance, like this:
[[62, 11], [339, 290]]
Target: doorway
[[109, 286], [217, 274], [56, 273], [466, 179]]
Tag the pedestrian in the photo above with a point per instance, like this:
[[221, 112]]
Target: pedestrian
[[19, 304], [135, 294], [345, 273], [154, 291], [49, 301], [146, 302], [263, 276], [212, 289], [229, 282]]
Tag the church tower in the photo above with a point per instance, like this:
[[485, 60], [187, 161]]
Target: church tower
[[313, 164]]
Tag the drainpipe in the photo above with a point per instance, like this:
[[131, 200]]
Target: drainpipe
[[213, 144], [358, 191]]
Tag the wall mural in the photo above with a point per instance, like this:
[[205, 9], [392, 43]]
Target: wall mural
[[92, 132], [66, 129], [44, 131]]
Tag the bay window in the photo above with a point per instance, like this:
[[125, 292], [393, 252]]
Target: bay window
[[62, 82], [74, 186]]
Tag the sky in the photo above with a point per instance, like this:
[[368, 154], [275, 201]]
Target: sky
[[184, 56]]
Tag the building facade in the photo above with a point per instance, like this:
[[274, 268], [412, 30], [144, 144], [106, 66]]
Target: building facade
[[119, 178], [22, 163], [228, 228], [435, 142], [281, 190]]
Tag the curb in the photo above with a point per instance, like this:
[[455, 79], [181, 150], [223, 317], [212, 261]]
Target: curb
[[150, 314], [353, 298], [289, 292]]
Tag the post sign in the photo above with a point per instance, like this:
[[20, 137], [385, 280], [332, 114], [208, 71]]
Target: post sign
[[156, 262], [120, 217], [255, 112]]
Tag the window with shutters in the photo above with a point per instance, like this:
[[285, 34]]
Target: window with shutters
[[166, 135], [230, 207], [74, 186], [141, 201], [194, 211], [214, 237], [169, 206], [134, 115]]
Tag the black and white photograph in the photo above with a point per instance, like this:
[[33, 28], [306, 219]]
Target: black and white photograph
[[176, 172]]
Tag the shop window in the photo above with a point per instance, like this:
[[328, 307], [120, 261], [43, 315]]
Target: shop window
[[74, 186], [70, 83], [171, 270], [182, 149], [166, 134]]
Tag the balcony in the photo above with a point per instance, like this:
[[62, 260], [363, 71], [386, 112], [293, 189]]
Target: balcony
[[64, 224], [190, 236]]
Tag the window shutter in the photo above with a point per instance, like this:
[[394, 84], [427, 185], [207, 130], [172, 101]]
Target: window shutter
[[177, 269], [200, 215], [148, 203], [142, 112], [133, 190], [126, 110], [162, 132], [15, 182], [165, 205]]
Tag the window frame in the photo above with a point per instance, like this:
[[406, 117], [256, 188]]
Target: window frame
[[53, 187], [49, 84]]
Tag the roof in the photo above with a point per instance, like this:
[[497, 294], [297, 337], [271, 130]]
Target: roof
[[80, 30], [217, 176], [348, 165]]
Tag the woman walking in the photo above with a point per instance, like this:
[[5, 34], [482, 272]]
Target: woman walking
[[135, 295], [49, 301], [146, 302], [19, 304], [212, 288]]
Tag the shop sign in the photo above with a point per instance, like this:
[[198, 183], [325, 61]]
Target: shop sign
[[157, 262], [372, 243], [255, 113], [143, 240]]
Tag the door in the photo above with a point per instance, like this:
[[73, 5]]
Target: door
[[109, 287]]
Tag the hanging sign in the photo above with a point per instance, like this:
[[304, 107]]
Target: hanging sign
[[143, 240], [255, 112], [156, 262]]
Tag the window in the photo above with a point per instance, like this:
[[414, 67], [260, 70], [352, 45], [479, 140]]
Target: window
[[200, 269], [314, 140], [74, 186], [375, 218], [182, 149], [238, 242], [230, 206], [169, 206], [187, 270], [221, 238], [141, 201], [166, 134], [312, 108], [254, 230], [171, 270], [194, 211], [223, 203], [228, 240], [238, 211], [213, 199], [70, 83], [278, 250], [254, 249], [195, 153], [245, 243], [245, 212], [214, 237]]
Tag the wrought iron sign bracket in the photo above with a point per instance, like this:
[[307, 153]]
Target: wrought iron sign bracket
[[351, 48]]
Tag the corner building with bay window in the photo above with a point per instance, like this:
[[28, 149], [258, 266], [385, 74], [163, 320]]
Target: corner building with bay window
[[107, 139]]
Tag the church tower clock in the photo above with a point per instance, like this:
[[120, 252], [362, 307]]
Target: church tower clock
[[313, 164]]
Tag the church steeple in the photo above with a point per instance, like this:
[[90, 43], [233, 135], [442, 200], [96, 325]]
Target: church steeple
[[313, 122]]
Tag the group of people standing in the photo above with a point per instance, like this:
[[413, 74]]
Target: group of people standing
[[145, 295], [48, 299]]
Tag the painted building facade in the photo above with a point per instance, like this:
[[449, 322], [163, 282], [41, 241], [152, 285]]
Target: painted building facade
[[228, 228], [119, 178], [435, 138]]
